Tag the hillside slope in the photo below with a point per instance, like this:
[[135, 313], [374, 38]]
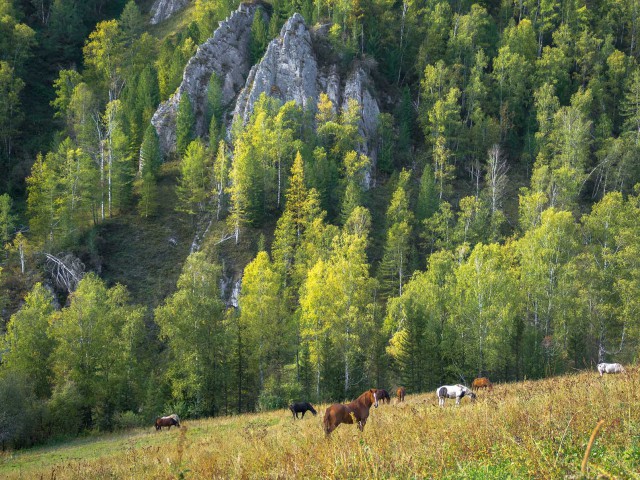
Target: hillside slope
[[521, 430]]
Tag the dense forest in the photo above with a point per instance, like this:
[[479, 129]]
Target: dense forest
[[496, 233]]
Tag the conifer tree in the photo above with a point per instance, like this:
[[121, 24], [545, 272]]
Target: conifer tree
[[194, 185], [221, 178], [427, 195], [259, 36], [146, 181], [7, 219], [394, 268], [185, 124]]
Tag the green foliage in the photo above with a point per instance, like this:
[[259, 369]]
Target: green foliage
[[427, 203], [259, 37], [145, 184], [185, 124], [214, 103], [7, 219], [104, 54], [394, 268], [194, 185], [102, 367], [62, 194], [28, 345], [193, 325], [173, 56], [526, 275], [131, 21], [11, 115]]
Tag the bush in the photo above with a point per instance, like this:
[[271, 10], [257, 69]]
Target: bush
[[128, 419], [22, 416], [67, 411]]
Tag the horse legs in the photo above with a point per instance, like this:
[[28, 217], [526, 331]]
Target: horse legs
[[303, 412]]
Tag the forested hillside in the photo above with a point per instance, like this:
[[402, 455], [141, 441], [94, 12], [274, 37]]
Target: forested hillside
[[330, 196]]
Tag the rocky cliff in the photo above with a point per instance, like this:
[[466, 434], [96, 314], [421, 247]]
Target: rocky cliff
[[227, 54], [163, 9], [291, 70]]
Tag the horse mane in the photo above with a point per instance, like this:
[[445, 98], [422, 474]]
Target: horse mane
[[363, 398]]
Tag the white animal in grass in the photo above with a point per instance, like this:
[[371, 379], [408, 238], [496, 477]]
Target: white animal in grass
[[453, 391], [610, 368]]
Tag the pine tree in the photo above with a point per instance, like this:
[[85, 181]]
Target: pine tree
[[394, 268], [194, 185], [7, 219], [185, 124], [427, 195], [259, 37], [221, 178]]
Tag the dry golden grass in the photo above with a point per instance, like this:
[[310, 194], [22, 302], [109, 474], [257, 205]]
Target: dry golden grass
[[523, 430]]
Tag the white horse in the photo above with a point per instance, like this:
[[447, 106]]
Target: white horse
[[610, 368], [453, 391]]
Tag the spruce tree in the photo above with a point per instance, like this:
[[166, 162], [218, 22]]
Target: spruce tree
[[185, 123], [259, 37]]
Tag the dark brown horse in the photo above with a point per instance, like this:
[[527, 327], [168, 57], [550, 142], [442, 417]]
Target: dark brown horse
[[301, 407], [400, 393], [482, 382], [357, 410], [383, 395], [169, 421]]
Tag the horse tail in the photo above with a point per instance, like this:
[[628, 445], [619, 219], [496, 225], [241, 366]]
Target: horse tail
[[326, 421]]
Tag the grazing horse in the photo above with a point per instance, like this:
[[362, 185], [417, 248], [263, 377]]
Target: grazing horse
[[482, 382], [610, 368], [167, 421], [301, 407], [357, 410], [383, 395], [453, 391], [400, 393]]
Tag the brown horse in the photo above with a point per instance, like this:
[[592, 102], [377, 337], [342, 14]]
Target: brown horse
[[383, 395], [358, 410], [169, 421], [400, 393], [482, 382]]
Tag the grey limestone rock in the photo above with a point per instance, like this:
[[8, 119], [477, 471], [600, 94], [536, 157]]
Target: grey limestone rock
[[287, 71], [163, 9], [290, 70], [227, 54]]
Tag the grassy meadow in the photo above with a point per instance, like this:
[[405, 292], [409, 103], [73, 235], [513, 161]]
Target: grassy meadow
[[531, 429]]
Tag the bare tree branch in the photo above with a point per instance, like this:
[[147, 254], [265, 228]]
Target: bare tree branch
[[66, 272]]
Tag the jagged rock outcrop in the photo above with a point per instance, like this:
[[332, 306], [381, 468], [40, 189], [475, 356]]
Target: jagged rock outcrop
[[288, 70], [227, 54], [163, 9], [291, 70]]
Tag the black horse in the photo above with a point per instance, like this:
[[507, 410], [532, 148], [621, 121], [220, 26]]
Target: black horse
[[301, 407]]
